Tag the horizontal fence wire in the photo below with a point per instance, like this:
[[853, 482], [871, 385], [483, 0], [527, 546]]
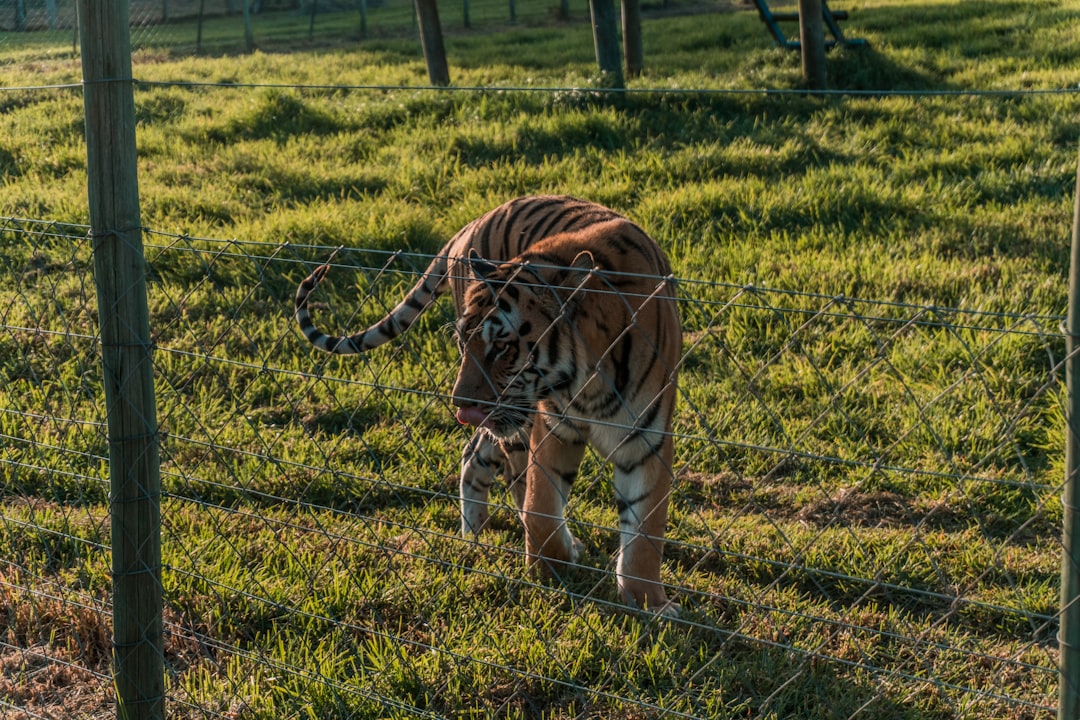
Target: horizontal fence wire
[[855, 524]]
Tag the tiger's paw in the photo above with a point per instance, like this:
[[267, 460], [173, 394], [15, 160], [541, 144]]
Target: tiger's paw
[[670, 609], [553, 557], [648, 597], [575, 549], [474, 519]]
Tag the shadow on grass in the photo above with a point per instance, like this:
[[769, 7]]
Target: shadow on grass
[[866, 70], [1013, 28]]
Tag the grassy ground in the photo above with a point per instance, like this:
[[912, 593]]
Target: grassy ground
[[865, 522]]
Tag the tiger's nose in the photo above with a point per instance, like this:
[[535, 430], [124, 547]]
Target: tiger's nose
[[461, 402], [472, 387]]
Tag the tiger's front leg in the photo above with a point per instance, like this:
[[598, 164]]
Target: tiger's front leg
[[553, 466], [482, 460], [641, 496]]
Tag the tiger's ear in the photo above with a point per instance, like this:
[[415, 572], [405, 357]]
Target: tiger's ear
[[481, 269], [584, 260], [578, 275], [581, 268]]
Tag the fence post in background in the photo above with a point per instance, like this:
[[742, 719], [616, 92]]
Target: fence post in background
[[1069, 634], [249, 33], [812, 43], [632, 45], [199, 27], [120, 276], [606, 39], [431, 41]]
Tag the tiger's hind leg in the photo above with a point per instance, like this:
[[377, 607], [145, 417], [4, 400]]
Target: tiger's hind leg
[[641, 496]]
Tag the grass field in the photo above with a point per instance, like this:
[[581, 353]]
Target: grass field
[[869, 434]]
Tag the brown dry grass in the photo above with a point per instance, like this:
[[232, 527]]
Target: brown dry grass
[[54, 656], [56, 649]]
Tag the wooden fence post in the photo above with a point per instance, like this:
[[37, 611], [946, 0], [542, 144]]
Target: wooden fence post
[[249, 33], [632, 45], [606, 39], [431, 40], [812, 42], [1069, 633], [123, 316], [199, 27]]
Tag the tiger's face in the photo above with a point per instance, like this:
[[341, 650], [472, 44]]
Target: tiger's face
[[501, 334], [497, 386]]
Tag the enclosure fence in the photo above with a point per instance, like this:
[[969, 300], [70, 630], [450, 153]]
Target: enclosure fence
[[854, 525], [224, 25], [792, 525]]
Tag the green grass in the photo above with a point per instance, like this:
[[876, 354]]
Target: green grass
[[870, 423]]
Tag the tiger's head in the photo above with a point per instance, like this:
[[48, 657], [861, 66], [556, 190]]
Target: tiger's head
[[514, 334]]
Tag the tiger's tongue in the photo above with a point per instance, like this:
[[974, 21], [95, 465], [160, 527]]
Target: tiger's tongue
[[471, 416]]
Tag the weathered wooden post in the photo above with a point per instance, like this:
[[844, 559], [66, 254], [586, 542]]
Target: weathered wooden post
[[199, 26], [1069, 634], [812, 43], [120, 275], [249, 33], [631, 31], [431, 40], [606, 39]]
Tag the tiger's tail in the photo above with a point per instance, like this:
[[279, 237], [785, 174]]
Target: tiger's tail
[[428, 289]]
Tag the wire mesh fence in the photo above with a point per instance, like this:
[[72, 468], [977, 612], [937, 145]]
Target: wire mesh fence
[[864, 521], [221, 24], [858, 528]]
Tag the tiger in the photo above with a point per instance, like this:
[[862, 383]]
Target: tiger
[[569, 335]]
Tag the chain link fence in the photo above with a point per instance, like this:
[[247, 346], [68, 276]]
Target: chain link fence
[[865, 520], [855, 531], [221, 25]]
